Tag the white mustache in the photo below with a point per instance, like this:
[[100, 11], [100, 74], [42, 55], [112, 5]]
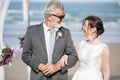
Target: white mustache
[[56, 25]]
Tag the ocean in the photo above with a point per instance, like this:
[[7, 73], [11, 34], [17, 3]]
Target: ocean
[[74, 14]]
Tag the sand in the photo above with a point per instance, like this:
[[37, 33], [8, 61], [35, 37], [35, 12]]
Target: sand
[[18, 70]]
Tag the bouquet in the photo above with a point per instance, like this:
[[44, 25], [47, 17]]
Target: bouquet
[[21, 41], [6, 56]]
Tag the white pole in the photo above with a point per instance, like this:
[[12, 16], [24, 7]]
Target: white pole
[[3, 10], [26, 13], [26, 19]]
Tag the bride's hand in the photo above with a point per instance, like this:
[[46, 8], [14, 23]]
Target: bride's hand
[[63, 60]]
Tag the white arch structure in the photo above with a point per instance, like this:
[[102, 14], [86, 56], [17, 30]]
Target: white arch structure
[[3, 10]]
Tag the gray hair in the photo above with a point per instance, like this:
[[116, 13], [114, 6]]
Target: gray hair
[[52, 6]]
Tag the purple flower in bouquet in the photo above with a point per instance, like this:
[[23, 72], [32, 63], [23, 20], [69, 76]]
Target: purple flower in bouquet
[[7, 59], [8, 51], [21, 41], [6, 56]]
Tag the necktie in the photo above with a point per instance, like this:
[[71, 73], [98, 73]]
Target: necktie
[[51, 45]]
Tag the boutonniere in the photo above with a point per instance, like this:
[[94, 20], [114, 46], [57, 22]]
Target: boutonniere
[[59, 35]]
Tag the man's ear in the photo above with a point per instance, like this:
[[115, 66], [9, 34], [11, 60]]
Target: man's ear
[[49, 17]]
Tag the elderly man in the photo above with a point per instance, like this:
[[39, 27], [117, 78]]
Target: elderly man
[[46, 43]]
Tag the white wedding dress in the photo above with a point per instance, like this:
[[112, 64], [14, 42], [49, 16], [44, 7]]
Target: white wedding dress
[[90, 62]]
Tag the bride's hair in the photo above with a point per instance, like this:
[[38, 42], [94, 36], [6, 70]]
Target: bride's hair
[[95, 21]]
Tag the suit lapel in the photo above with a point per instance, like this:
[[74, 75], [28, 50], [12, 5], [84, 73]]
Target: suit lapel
[[55, 46], [42, 37], [57, 42]]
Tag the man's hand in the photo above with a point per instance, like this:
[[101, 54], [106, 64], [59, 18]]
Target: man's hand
[[41, 67], [51, 68]]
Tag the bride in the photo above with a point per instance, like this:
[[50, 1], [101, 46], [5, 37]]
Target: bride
[[93, 54]]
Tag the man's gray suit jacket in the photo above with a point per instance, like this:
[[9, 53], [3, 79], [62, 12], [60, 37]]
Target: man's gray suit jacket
[[34, 52]]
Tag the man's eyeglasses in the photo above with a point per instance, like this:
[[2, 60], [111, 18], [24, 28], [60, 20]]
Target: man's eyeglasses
[[60, 17]]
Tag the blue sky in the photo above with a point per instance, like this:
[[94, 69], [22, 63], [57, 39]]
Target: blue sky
[[76, 0]]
